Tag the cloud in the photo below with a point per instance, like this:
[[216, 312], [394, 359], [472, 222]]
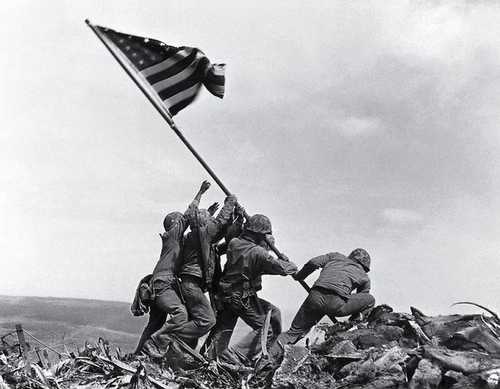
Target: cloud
[[401, 216], [357, 126], [368, 126]]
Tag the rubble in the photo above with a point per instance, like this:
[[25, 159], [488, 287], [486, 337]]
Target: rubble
[[387, 350], [400, 350]]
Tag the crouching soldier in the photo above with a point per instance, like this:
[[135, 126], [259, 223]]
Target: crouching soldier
[[331, 294], [248, 259], [165, 294], [198, 268]]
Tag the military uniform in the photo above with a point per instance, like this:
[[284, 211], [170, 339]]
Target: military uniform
[[166, 300], [331, 293], [198, 268], [239, 284]]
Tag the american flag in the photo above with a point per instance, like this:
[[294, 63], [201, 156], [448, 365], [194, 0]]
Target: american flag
[[175, 74]]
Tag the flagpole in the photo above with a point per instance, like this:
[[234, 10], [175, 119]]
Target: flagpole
[[162, 110], [165, 114]]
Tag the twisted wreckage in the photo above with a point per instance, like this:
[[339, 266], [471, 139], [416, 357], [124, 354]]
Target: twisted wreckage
[[386, 350]]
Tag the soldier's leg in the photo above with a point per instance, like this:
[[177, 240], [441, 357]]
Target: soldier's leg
[[156, 320], [355, 304], [254, 314], [222, 331], [169, 303], [310, 313], [201, 316], [275, 322]]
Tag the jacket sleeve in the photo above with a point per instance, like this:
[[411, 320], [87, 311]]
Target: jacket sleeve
[[364, 286], [274, 266], [314, 264], [222, 220]]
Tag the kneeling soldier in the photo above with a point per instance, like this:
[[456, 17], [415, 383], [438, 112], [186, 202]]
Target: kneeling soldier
[[331, 293]]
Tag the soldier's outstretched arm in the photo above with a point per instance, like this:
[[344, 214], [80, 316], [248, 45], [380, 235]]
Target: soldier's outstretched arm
[[278, 266], [205, 185], [182, 223], [313, 264]]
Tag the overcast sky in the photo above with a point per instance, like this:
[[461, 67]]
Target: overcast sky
[[350, 124]]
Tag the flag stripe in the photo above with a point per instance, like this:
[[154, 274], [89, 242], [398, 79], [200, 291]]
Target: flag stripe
[[175, 68], [165, 64], [185, 83], [182, 95], [184, 103], [216, 90], [168, 82], [215, 79]]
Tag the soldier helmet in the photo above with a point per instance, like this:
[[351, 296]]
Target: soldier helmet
[[259, 224], [171, 219], [362, 257]]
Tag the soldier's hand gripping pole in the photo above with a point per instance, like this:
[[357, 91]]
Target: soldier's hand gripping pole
[[281, 256]]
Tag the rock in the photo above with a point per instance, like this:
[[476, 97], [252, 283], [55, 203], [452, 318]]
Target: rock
[[391, 361], [443, 327], [3, 384], [427, 376], [388, 382], [491, 377], [417, 332], [177, 358], [316, 336], [349, 370], [294, 357], [301, 369], [382, 369], [378, 313], [364, 338], [474, 338], [366, 372], [384, 315], [467, 362], [345, 350], [468, 382]]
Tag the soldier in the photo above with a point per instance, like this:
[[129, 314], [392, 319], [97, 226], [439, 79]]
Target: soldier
[[198, 268], [248, 259], [166, 300], [331, 293]]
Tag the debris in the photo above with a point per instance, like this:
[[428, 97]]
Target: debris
[[494, 314], [300, 369], [345, 350], [427, 376], [463, 361], [475, 338], [387, 350]]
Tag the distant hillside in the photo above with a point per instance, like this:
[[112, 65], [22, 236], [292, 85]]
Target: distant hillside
[[68, 321], [72, 321]]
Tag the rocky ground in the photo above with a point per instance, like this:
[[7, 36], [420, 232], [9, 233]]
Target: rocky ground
[[386, 350]]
